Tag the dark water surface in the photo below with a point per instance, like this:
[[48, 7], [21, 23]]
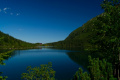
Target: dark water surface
[[65, 62]]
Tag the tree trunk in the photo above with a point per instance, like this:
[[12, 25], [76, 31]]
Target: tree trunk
[[119, 68]]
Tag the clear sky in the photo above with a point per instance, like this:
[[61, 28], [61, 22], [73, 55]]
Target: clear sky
[[45, 21]]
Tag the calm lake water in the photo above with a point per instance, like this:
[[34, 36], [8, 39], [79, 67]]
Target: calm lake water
[[65, 62]]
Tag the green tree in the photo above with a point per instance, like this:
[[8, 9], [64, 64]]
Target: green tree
[[44, 72], [107, 31], [98, 70]]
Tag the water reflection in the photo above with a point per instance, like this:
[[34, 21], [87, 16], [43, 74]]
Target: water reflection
[[65, 62], [80, 58], [65, 68]]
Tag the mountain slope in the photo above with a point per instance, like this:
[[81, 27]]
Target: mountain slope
[[81, 37], [7, 41], [83, 34]]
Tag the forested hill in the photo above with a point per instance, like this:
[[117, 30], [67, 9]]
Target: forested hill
[[98, 31], [7, 41], [82, 36]]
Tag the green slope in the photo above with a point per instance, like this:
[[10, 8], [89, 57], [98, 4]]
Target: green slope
[[81, 37], [83, 34], [7, 41]]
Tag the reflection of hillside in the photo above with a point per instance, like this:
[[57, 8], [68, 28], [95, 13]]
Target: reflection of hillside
[[81, 58], [5, 54], [14, 53], [3, 50]]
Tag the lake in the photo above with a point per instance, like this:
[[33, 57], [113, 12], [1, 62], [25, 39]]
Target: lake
[[64, 62]]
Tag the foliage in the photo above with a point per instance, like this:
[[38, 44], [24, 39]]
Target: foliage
[[44, 72], [102, 29], [2, 58], [107, 36], [107, 28], [3, 78], [8, 42], [99, 70], [4, 55]]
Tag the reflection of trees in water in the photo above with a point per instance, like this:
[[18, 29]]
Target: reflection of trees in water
[[67, 48], [9, 55], [14, 53], [3, 50], [5, 54], [81, 57], [19, 52]]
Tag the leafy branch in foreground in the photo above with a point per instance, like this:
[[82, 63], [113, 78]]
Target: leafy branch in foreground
[[3, 78], [98, 70], [44, 72], [2, 58]]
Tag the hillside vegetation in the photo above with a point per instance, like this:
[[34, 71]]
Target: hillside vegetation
[[81, 37], [9, 42]]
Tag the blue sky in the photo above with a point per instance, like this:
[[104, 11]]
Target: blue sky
[[45, 21]]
